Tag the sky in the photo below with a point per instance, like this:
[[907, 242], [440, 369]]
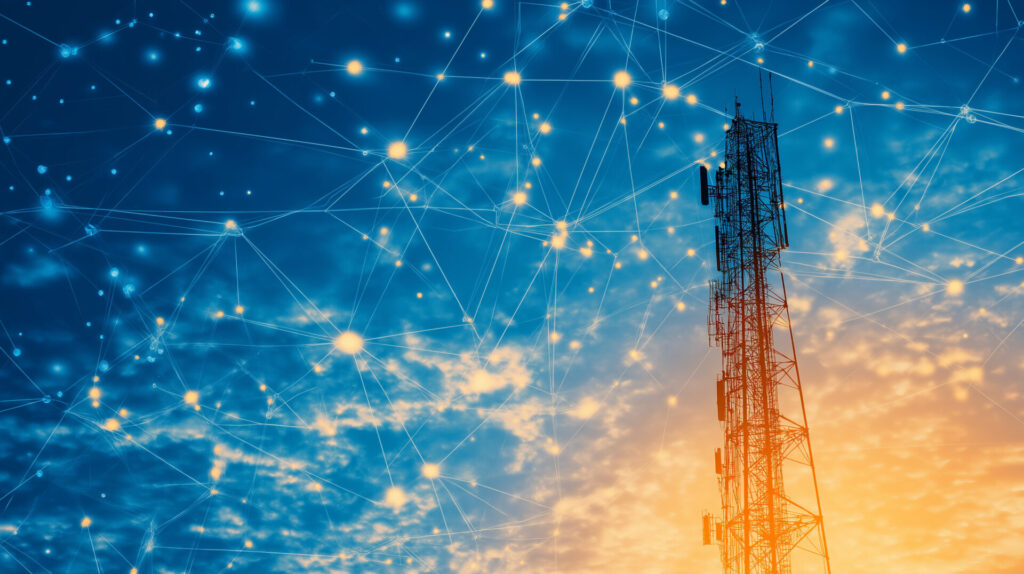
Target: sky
[[421, 285]]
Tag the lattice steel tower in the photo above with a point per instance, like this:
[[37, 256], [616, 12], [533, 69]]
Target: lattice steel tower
[[764, 527]]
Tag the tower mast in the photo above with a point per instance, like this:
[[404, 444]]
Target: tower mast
[[763, 522]]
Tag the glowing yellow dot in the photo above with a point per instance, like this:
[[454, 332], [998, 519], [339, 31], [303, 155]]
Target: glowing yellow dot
[[680, 306], [926, 227], [349, 343], [487, 4], [1019, 260], [160, 123], [112, 425], [86, 522], [513, 78], [354, 67], [413, 197], [159, 320], [397, 150], [94, 393], [691, 99], [535, 161], [691, 252], [554, 336], [901, 48], [239, 309], [545, 128], [886, 95], [955, 287], [699, 138], [440, 77], [248, 544], [670, 92], [634, 100], [419, 295], [431, 471], [519, 198], [877, 210], [586, 251], [829, 143], [622, 79], [191, 397], [395, 498], [966, 8], [839, 110], [219, 314], [900, 105], [810, 63]]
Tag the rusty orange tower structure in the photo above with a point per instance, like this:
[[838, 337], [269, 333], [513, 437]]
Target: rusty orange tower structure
[[765, 526]]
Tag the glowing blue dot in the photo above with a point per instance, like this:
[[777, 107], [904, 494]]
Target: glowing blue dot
[[60, 394], [203, 82], [65, 51], [235, 44], [67, 178], [46, 201], [254, 6], [91, 230], [128, 289], [252, 102], [41, 169], [114, 272], [104, 366], [663, 14], [198, 108], [113, 171], [39, 473], [7, 140], [153, 56], [16, 352], [587, 3], [100, 292]]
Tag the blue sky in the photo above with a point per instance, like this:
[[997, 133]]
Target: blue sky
[[242, 330]]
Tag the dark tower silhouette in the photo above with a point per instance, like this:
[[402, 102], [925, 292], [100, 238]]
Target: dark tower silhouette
[[764, 527]]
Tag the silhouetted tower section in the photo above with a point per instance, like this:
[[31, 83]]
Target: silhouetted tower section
[[765, 526]]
